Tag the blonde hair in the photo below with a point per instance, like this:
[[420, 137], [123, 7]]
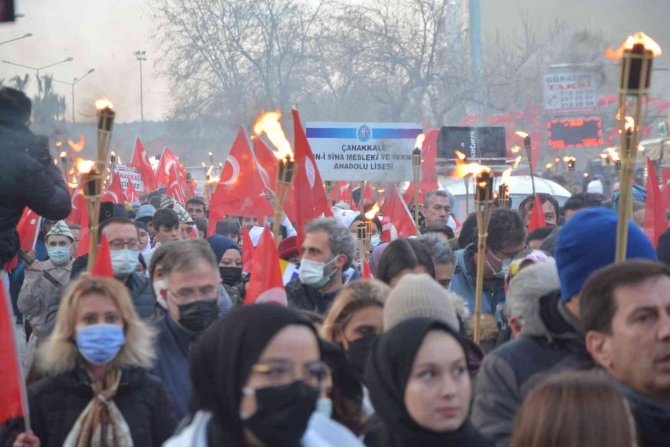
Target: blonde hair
[[60, 354], [354, 296]]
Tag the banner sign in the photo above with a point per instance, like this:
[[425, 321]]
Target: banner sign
[[128, 173], [377, 152], [570, 93]]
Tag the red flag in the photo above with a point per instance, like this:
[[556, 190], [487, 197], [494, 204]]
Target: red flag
[[247, 251], [267, 163], [79, 206], [131, 193], [176, 188], [28, 229], [114, 192], [655, 220], [103, 262], [165, 166], [240, 190], [536, 216], [266, 285], [366, 271], [309, 197], [397, 221], [141, 162], [13, 402]]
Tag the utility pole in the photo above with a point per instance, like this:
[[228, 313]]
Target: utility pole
[[141, 56]]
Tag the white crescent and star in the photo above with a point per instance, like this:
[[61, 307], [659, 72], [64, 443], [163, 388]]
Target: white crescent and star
[[235, 165]]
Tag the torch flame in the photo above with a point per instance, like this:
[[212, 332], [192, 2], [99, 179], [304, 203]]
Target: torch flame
[[103, 103], [521, 134], [638, 38], [515, 149], [269, 123], [567, 159], [630, 123], [373, 212], [77, 146], [59, 143], [63, 154], [84, 166], [419, 141], [460, 155], [464, 169], [507, 173], [613, 154]]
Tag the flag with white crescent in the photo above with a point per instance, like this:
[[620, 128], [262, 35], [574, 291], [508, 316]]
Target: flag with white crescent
[[266, 284]]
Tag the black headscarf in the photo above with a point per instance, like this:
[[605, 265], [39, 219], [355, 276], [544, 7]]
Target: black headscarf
[[386, 375], [222, 359]]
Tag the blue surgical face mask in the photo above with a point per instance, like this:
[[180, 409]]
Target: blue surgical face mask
[[324, 406], [375, 240], [59, 255], [504, 266], [124, 262], [99, 343]]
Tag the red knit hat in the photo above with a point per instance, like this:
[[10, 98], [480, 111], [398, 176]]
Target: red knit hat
[[288, 248]]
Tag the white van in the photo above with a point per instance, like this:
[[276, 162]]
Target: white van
[[520, 187]]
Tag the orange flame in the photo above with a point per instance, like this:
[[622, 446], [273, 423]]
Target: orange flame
[[84, 166], [638, 38], [515, 149], [269, 123], [59, 143], [419, 141], [63, 154], [520, 133], [103, 103], [630, 123], [77, 146], [464, 169], [507, 173], [567, 159], [613, 154], [460, 155], [373, 212]]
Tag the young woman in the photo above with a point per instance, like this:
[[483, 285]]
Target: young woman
[[420, 387], [257, 375], [404, 256], [229, 256], [98, 389], [575, 409]]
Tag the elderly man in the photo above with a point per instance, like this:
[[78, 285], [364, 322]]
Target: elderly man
[[625, 310], [192, 292], [436, 208], [327, 251]]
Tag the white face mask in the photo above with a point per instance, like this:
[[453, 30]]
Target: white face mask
[[158, 286], [324, 406], [375, 240], [312, 273], [124, 262]]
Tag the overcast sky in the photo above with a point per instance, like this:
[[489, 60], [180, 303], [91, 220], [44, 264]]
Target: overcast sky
[[103, 34]]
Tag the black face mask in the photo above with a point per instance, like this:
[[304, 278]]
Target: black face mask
[[358, 354], [231, 275], [198, 315], [283, 413]]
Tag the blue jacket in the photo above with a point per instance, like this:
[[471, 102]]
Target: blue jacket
[[464, 280]]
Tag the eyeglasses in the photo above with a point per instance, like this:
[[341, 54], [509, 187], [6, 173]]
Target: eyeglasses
[[283, 371], [187, 294], [120, 245]]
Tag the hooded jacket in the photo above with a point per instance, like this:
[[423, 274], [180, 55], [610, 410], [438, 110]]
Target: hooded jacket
[[463, 283], [550, 341], [29, 178]]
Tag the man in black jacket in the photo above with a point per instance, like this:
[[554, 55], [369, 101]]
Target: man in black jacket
[[28, 176]]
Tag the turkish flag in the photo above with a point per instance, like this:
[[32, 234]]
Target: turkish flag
[[536, 216], [28, 229], [131, 193], [266, 285], [366, 271], [267, 163], [165, 167], [247, 251], [655, 220], [79, 206], [240, 190], [176, 187], [397, 221], [140, 161], [309, 196], [13, 401], [114, 191], [103, 261]]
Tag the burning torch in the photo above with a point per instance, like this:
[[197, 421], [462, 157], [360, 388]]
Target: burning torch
[[526, 146], [416, 171], [570, 161], [637, 55]]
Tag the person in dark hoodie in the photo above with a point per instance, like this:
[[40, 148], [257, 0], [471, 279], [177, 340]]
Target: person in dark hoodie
[[625, 311], [420, 388], [28, 176], [551, 339]]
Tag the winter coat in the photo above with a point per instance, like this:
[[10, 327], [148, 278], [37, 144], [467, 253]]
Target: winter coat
[[39, 296], [173, 347], [550, 341], [321, 432], [303, 297], [56, 402], [463, 283], [29, 178], [652, 418]]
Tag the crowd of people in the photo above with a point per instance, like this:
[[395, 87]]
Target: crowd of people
[[574, 349]]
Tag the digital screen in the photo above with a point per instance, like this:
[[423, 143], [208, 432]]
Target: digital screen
[[474, 142], [576, 132]]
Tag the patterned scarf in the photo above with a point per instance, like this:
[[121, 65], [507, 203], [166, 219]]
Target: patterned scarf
[[101, 424]]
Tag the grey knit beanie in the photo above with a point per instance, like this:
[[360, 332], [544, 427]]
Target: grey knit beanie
[[529, 285], [419, 295]]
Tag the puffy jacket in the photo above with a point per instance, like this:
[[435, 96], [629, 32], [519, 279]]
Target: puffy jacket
[[56, 403], [304, 297], [550, 341], [29, 178]]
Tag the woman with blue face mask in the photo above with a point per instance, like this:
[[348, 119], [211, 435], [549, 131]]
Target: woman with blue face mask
[[96, 389], [43, 284]]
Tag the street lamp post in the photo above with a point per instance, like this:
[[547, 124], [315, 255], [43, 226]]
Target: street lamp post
[[74, 82], [38, 69], [141, 56], [17, 38]]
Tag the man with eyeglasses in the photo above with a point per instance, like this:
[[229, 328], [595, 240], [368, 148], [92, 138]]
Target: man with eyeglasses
[[506, 239], [193, 293], [124, 244]]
